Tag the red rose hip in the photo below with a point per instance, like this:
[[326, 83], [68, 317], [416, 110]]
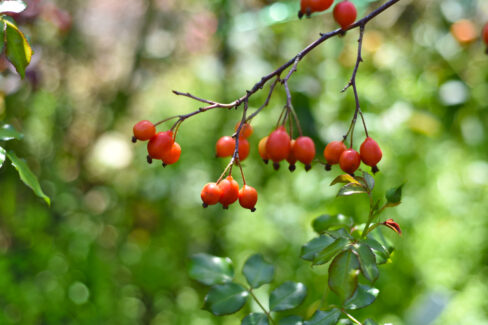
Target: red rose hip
[[349, 161], [210, 194], [225, 146], [230, 191], [278, 146], [332, 153], [172, 155], [304, 151], [345, 13], [143, 130], [370, 153], [159, 144], [248, 196]]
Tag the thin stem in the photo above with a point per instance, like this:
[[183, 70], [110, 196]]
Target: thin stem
[[268, 314], [354, 320], [271, 89]]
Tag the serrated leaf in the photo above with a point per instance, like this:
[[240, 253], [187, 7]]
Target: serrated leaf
[[369, 180], [369, 321], [2, 156], [343, 274], [325, 222], [330, 251], [211, 270], [291, 320], [13, 6], [257, 271], [394, 196], [287, 296], [19, 52], [8, 132], [351, 189], [316, 245], [27, 176], [255, 319], [345, 178], [225, 299], [321, 317], [367, 262], [363, 297]]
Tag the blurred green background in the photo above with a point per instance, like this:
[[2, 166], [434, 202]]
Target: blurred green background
[[114, 246]]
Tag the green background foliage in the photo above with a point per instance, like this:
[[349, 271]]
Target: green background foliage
[[115, 245]]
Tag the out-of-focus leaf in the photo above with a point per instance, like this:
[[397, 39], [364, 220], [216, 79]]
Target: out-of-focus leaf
[[394, 196], [338, 233], [343, 274], [316, 245], [225, 299], [369, 180], [291, 320], [255, 319], [369, 321], [8, 132], [257, 271], [321, 317], [364, 296], [351, 189], [287, 296], [211, 270], [13, 6], [367, 262], [27, 176], [330, 251], [345, 178], [326, 222], [2, 156], [19, 52]]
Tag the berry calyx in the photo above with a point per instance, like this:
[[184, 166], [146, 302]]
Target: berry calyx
[[292, 159], [305, 9], [230, 191], [485, 34], [278, 146], [172, 155], [262, 149], [349, 161], [246, 130], [244, 148], [210, 194], [345, 13], [332, 153], [143, 130], [370, 153], [159, 144], [225, 146], [248, 196], [304, 151]]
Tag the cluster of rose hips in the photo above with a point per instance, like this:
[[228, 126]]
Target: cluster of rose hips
[[227, 192], [344, 12], [349, 160], [225, 146], [161, 145]]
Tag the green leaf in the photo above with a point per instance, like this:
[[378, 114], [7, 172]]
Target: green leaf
[[2, 35], [287, 296], [367, 262], [8, 132], [27, 176], [211, 270], [345, 178], [363, 297], [330, 251], [324, 317], [351, 189], [377, 234], [339, 233], [325, 222], [380, 252], [225, 299], [369, 321], [2, 156], [18, 51], [255, 319], [291, 320], [369, 180], [343, 274], [316, 245], [394, 196], [14, 6], [257, 271]]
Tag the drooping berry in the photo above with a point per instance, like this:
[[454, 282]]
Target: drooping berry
[[485, 34], [278, 146], [345, 13], [248, 196], [143, 130], [244, 148], [307, 7], [292, 159], [230, 191], [225, 146], [160, 143], [171, 156], [304, 151], [370, 153], [332, 153], [210, 194], [246, 130], [349, 161], [262, 149]]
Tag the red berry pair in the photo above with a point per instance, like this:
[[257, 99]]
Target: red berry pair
[[226, 145], [349, 159], [227, 192]]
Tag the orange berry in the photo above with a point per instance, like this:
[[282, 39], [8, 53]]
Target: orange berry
[[244, 149], [304, 151], [345, 13], [278, 145], [230, 191], [464, 31], [246, 129], [292, 159], [143, 130], [305, 8], [159, 144], [248, 196], [171, 156], [320, 5], [370, 153], [349, 161], [225, 146], [262, 149], [332, 152], [210, 194]]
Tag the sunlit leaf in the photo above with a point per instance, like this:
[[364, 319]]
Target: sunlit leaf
[[287, 296], [380, 252], [345, 178], [225, 299], [394, 196], [330, 251], [326, 222], [363, 297], [19, 52], [255, 319], [343, 274], [257, 271], [8, 132], [13, 6], [2, 156], [351, 189], [211, 270], [321, 317], [316, 245], [367, 262]]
